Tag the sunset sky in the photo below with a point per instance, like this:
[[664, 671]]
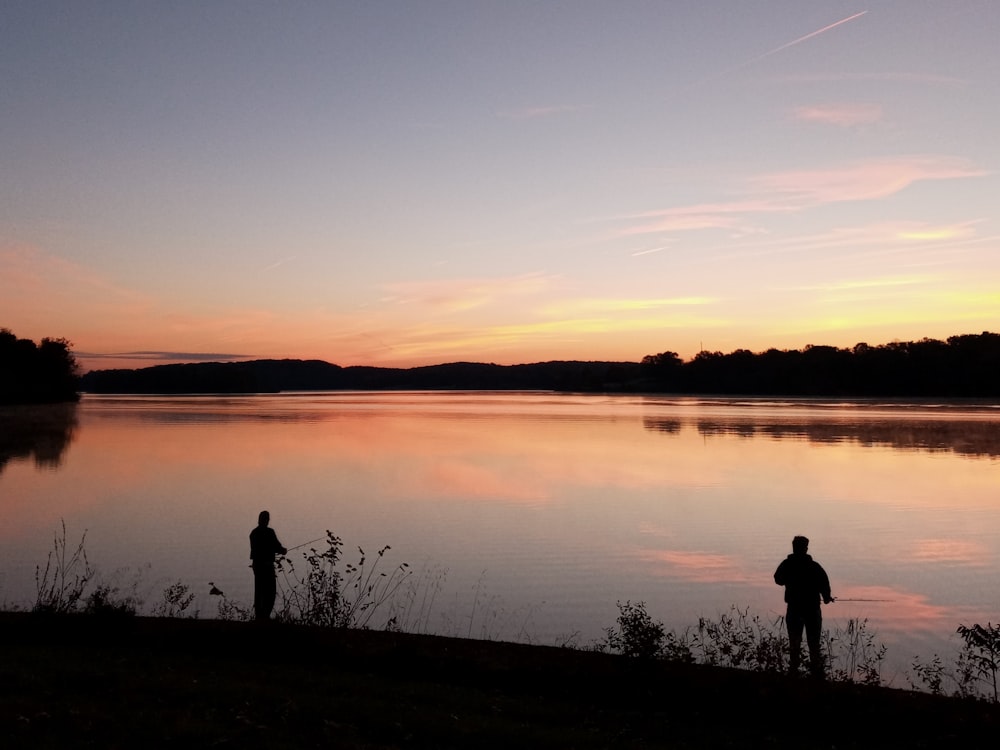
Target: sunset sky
[[406, 183]]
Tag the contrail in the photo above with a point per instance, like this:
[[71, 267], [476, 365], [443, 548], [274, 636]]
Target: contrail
[[776, 50], [806, 37]]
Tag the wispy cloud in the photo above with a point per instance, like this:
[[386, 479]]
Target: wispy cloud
[[927, 79], [796, 190], [863, 284], [577, 307], [649, 251], [166, 357], [723, 215], [535, 113], [459, 295], [842, 115], [41, 292], [278, 263], [867, 180]]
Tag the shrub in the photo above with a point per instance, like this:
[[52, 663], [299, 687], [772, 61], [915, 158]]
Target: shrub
[[737, 639], [982, 652], [639, 636], [330, 597], [175, 601]]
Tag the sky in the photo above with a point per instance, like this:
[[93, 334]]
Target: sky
[[411, 183]]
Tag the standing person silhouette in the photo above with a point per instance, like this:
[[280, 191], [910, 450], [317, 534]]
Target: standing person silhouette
[[805, 583], [264, 546]]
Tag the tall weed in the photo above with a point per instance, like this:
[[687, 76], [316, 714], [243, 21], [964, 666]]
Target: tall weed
[[61, 585]]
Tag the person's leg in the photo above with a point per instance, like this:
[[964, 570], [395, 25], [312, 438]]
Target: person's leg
[[794, 622], [269, 595], [814, 629], [264, 592], [258, 593]]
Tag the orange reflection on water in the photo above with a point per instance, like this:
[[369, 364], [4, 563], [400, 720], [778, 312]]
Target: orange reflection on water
[[699, 567], [894, 609], [953, 551]]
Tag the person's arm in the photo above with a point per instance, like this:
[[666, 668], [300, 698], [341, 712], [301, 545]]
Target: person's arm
[[779, 574], [278, 548], [824, 584]]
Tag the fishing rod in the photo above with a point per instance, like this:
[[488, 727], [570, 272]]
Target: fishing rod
[[839, 599], [311, 541], [299, 546]]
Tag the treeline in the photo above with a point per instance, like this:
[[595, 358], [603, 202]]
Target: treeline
[[963, 367], [966, 366], [273, 375], [36, 373]]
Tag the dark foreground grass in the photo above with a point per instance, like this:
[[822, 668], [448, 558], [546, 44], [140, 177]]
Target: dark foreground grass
[[77, 681]]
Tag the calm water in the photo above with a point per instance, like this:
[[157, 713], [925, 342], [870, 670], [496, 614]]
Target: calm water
[[529, 515]]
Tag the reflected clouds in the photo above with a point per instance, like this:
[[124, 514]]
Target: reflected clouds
[[698, 567], [569, 499], [896, 609], [960, 552]]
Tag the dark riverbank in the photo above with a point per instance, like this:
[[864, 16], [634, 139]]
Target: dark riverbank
[[91, 682]]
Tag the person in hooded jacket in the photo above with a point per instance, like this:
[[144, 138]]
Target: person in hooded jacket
[[806, 583]]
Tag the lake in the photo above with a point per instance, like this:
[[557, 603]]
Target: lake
[[527, 516]]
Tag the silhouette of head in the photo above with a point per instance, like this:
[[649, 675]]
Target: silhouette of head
[[800, 545], [264, 518]]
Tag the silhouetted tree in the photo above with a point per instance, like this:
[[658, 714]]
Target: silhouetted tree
[[964, 366], [45, 373]]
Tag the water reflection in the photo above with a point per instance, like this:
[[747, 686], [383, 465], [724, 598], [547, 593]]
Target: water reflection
[[40, 432], [963, 436], [559, 505]]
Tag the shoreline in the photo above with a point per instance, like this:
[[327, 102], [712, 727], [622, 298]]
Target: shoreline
[[120, 681]]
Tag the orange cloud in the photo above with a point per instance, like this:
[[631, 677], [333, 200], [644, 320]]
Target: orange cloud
[[458, 295], [40, 294]]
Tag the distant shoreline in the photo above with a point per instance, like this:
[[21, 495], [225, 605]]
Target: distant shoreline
[[965, 366]]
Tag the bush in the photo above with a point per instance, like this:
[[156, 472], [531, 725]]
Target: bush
[[639, 636], [175, 601], [330, 597]]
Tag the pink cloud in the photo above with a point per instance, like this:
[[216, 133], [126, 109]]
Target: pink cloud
[[843, 115], [797, 190], [868, 180], [721, 215]]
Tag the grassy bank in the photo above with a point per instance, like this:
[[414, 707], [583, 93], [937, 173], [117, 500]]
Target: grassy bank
[[77, 681]]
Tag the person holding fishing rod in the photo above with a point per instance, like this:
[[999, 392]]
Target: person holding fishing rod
[[805, 583], [264, 547]]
